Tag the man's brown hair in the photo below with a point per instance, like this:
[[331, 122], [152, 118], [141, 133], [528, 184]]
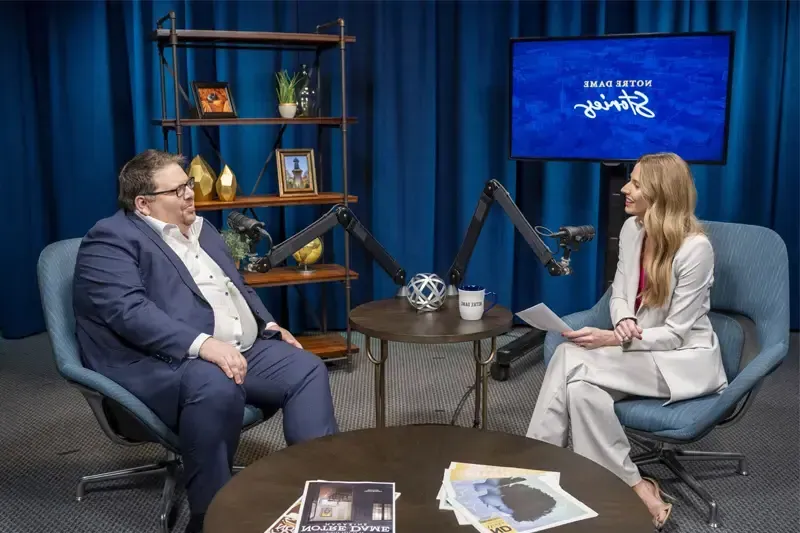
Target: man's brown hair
[[136, 177]]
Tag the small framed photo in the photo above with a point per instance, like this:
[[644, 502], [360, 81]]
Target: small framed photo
[[297, 175], [214, 99]]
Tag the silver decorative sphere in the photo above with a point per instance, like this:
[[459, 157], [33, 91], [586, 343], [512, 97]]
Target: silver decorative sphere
[[426, 292]]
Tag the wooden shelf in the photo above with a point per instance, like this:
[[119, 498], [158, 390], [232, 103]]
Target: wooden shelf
[[189, 37], [327, 346], [197, 122], [290, 275], [312, 40], [273, 200]]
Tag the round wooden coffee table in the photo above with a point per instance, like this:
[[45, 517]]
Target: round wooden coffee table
[[394, 319], [415, 458]]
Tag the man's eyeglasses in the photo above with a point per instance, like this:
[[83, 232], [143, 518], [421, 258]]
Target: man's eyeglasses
[[180, 190]]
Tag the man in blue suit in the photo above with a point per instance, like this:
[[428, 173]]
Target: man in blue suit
[[161, 309]]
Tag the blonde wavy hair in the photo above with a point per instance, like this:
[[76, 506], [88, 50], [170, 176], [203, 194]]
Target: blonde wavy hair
[[668, 186]]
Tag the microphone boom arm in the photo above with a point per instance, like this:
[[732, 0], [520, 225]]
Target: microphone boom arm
[[338, 215], [494, 191]]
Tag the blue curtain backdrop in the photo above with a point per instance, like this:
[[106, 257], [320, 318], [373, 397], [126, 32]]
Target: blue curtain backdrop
[[428, 83]]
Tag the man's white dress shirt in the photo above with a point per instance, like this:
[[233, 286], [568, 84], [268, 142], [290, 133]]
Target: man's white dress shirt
[[234, 322]]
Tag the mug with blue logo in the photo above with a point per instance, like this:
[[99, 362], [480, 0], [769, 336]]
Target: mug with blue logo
[[471, 300]]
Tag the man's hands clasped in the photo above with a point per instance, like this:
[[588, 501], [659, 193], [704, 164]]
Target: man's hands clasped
[[230, 359], [225, 356]]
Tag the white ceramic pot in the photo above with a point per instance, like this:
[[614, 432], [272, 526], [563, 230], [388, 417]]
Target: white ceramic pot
[[287, 110]]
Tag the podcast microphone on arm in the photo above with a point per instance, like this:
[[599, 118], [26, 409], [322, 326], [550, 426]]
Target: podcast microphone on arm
[[570, 237], [577, 234], [254, 229], [339, 215]]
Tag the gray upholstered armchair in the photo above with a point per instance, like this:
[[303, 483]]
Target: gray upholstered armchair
[[122, 417], [750, 314]]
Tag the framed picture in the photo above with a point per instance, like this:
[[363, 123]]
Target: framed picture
[[296, 172], [213, 99]]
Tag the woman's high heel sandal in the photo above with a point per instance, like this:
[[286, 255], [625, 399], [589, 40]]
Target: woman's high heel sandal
[[657, 521]]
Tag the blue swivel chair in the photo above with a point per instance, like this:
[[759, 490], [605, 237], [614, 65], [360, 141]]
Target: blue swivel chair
[[750, 314], [122, 417]]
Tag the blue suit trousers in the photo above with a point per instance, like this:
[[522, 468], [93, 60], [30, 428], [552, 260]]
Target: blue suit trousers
[[211, 407]]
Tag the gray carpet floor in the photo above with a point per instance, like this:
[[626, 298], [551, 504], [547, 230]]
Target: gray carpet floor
[[49, 438]]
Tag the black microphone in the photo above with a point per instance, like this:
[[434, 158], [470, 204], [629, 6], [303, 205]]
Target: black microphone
[[242, 224], [577, 234]]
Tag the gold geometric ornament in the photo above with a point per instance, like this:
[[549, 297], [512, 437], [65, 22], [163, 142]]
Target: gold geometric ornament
[[204, 178], [226, 185]]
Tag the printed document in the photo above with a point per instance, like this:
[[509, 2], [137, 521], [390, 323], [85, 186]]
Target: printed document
[[499, 498], [542, 317]]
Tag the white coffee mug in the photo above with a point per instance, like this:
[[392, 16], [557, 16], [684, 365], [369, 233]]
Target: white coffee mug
[[471, 301]]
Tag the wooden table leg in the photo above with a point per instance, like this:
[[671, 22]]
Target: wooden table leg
[[482, 382], [380, 380]]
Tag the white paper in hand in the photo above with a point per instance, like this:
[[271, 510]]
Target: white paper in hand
[[542, 317]]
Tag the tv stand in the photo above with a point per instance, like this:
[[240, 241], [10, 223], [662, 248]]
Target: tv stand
[[611, 218]]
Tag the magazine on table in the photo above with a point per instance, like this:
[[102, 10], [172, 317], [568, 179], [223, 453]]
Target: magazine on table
[[287, 523], [461, 471], [519, 503], [347, 507]]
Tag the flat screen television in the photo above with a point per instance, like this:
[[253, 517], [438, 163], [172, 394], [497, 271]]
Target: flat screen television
[[613, 98]]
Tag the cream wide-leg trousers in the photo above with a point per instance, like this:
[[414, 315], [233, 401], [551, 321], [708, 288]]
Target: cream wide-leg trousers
[[578, 393]]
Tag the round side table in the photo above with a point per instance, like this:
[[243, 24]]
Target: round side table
[[394, 319]]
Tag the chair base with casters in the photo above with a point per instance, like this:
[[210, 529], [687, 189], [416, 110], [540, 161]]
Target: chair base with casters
[[116, 421], [669, 453], [169, 467], [672, 457], [168, 511]]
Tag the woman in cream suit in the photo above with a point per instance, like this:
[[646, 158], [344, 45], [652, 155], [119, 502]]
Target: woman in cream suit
[[662, 344]]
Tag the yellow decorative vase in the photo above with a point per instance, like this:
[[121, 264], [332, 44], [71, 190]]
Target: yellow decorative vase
[[204, 177], [226, 185]]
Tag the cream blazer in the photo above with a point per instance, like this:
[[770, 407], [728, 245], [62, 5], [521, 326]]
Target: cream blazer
[[679, 335]]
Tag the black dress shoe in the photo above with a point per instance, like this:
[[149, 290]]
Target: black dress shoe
[[195, 524]]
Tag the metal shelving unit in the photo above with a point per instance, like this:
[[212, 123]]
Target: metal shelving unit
[[327, 346]]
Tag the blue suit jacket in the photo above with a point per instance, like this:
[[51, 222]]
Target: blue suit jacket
[[137, 308]]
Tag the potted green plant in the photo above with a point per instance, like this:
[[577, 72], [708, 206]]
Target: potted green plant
[[287, 97], [238, 245]]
